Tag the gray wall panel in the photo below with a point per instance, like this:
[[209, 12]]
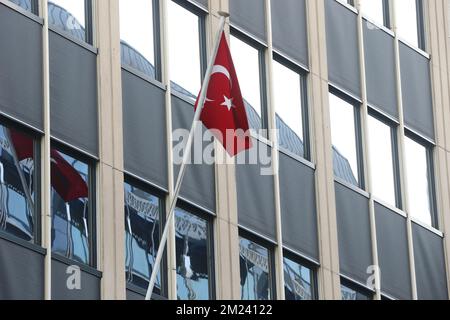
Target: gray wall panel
[[416, 90], [380, 69], [298, 206], [21, 273], [73, 93], [133, 296], [393, 253], [21, 67], [202, 3], [144, 129], [355, 248], [255, 195], [430, 264], [289, 29], [249, 15], [342, 47], [90, 284], [199, 184]]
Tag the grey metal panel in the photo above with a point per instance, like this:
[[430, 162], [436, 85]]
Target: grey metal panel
[[21, 67], [73, 93], [249, 15], [255, 195], [298, 206], [21, 273], [430, 264], [90, 284], [380, 69], [199, 184], [355, 248], [416, 89], [202, 3], [144, 129], [342, 47], [393, 253], [134, 296], [289, 29]]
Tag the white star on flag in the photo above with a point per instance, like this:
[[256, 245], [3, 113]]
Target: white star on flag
[[228, 103]]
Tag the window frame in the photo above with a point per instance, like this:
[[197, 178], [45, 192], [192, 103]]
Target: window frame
[[247, 235], [303, 79], [429, 147], [135, 182], [255, 44], [356, 287], [209, 219], [357, 112], [306, 264], [92, 200]]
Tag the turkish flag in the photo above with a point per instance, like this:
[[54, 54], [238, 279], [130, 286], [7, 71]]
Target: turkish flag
[[224, 111]]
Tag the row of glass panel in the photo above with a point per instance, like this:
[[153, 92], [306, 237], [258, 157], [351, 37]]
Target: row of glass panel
[[409, 17], [384, 158]]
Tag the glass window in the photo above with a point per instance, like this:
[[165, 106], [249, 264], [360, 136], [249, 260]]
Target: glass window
[[419, 181], [289, 108], [71, 16], [142, 233], [350, 293], [194, 257], [29, 5], [246, 62], [184, 50], [382, 160], [344, 137], [136, 34], [72, 216], [374, 10], [255, 271], [409, 24], [299, 281], [17, 184]]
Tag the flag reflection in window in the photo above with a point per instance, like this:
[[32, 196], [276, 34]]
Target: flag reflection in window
[[255, 271], [142, 232], [193, 278], [17, 184], [70, 207], [297, 281]]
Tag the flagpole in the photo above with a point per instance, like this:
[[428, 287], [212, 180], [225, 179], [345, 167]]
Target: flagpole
[[186, 156]]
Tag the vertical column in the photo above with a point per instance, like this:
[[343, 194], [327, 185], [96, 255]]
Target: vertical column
[[110, 193], [438, 41], [226, 228], [328, 276]]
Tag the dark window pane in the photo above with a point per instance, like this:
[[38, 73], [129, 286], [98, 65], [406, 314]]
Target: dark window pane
[[71, 236], [17, 184], [142, 223], [193, 256], [69, 16], [298, 281], [255, 271], [352, 294]]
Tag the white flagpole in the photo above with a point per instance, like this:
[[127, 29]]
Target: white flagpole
[[186, 156]]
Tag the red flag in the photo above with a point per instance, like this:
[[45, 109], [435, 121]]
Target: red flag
[[224, 109], [22, 144]]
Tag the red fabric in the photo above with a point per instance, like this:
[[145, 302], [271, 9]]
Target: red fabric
[[22, 144], [224, 107], [66, 180]]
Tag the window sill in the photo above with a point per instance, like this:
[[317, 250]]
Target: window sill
[[85, 268], [27, 245]]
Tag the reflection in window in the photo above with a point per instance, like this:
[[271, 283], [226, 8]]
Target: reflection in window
[[246, 62], [374, 10], [184, 50], [255, 271], [288, 108], [343, 134], [136, 34], [298, 281], [17, 184], [381, 160], [352, 294], [69, 16], [71, 223], [407, 20], [29, 5], [142, 217], [193, 257], [417, 171]]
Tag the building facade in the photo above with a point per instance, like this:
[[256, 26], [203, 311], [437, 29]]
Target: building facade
[[345, 194]]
